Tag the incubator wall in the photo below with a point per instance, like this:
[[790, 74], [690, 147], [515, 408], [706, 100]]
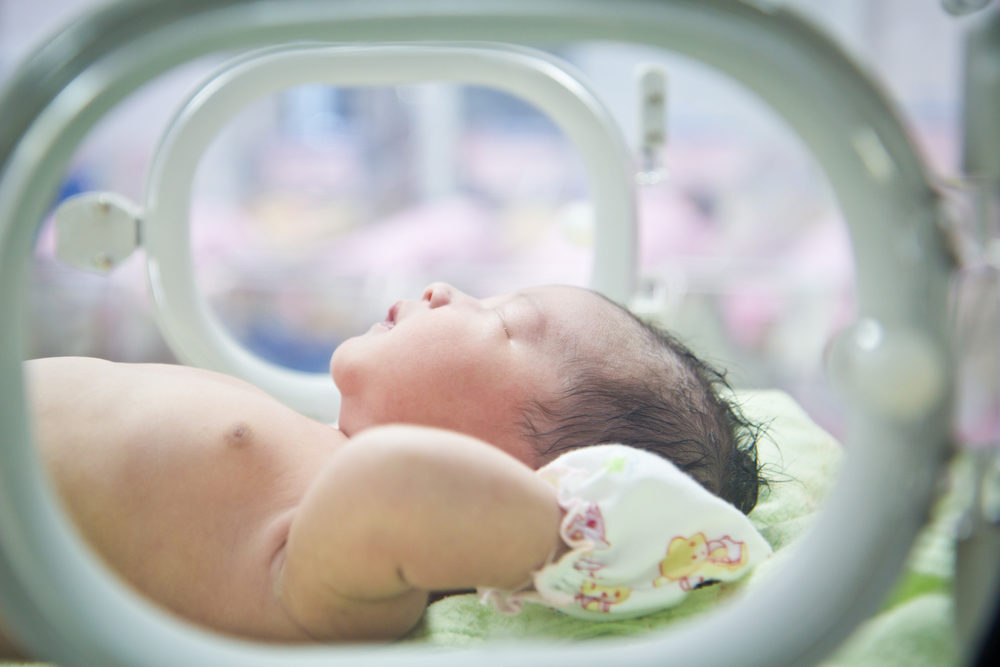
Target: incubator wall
[[317, 208]]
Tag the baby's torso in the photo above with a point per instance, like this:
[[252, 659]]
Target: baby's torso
[[184, 481]]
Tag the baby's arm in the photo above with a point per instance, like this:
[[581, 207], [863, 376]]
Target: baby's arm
[[404, 510]]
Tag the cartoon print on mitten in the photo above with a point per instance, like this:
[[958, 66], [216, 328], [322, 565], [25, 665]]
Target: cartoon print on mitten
[[595, 597], [693, 561]]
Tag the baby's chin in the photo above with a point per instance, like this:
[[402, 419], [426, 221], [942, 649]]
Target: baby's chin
[[338, 360], [347, 362]]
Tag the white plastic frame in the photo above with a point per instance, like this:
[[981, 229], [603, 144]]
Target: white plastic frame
[[191, 328], [50, 586]]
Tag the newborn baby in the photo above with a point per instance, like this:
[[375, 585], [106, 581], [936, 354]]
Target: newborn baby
[[232, 510]]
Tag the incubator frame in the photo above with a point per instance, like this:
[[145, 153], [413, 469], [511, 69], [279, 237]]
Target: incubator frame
[[55, 584], [193, 331]]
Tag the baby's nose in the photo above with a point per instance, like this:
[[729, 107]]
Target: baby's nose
[[442, 294], [438, 294]]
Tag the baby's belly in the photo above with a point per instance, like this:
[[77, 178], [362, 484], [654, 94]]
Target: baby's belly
[[187, 490]]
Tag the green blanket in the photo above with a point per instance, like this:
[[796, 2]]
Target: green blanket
[[914, 627]]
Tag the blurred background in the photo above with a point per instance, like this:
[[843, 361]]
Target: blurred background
[[319, 207]]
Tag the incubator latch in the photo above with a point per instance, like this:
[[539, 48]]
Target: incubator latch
[[96, 231]]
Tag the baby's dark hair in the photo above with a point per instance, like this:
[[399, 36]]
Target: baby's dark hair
[[665, 400]]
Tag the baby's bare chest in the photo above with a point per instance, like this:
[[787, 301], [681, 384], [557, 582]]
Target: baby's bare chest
[[188, 499]]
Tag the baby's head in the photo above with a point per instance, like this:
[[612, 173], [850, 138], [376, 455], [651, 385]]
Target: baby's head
[[541, 371], [651, 392]]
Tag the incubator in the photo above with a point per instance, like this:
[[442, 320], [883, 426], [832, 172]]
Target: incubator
[[895, 363]]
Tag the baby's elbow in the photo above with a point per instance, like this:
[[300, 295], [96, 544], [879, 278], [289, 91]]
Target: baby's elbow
[[325, 616]]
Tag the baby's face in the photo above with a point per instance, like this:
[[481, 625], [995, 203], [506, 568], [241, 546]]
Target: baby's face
[[453, 361]]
